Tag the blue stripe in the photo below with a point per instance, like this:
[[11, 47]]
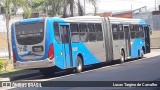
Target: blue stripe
[[137, 45]]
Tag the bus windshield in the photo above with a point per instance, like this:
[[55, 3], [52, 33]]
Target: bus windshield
[[30, 33]]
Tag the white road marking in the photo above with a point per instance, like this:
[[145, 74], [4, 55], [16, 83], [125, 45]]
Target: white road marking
[[4, 79], [6, 88]]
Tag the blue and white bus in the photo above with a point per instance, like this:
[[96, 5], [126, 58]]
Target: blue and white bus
[[47, 43]]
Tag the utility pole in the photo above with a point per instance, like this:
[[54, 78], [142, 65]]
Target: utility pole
[[84, 7], [155, 5]]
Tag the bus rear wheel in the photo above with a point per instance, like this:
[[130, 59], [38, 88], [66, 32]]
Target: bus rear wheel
[[79, 65], [122, 59]]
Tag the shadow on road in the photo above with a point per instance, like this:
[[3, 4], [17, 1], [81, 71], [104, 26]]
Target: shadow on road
[[86, 68]]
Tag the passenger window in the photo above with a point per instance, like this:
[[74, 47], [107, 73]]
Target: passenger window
[[121, 32], [141, 33], [65, 33], [136, 28], [91, 32], [56, 32], [82, 27], [115, 32], [91, 27], [133, 31], [74, 32], [99, 34], [83, 32]]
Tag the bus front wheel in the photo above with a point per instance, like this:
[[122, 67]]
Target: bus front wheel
[[142, 54], [79, 65], [122, 59]]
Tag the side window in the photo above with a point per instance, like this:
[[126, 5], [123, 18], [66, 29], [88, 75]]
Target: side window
[[82, 27], [133, 31], [91, 32], [83, 32], [65, 33], [136, 28], [141, 34], [74, 32], [115, 32], [99, 34], [56, 32], [120, 32]]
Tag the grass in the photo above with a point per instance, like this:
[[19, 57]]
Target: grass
[[7, 67], [9, 70]]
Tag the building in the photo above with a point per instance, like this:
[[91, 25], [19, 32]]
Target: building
[[123, 14], [152, 18]]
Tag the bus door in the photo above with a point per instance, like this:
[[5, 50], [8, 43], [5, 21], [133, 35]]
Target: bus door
[[127, 40], [66, 44], [147, 38]]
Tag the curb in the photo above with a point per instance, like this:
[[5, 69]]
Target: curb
[[24, 76], [4, 79], [17, 75], [155, 47]]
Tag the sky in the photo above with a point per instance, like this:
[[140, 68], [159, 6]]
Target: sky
[[118, 5], [122, 5]]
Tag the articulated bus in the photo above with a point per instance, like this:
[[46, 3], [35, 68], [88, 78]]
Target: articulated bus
[[75, 42]]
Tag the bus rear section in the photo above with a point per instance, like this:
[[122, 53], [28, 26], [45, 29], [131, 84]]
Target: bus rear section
[[28, 42], [131, 38]]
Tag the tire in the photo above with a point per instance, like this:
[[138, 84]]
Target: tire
[[79, 65], [142, 54], [122, 59]]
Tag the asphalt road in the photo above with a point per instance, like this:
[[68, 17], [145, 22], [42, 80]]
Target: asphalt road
[[146, 69], [138, 70]]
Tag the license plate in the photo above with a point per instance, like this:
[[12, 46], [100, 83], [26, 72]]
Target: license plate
[[22, 64], [37, 48]]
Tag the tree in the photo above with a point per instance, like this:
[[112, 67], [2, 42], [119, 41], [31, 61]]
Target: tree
[[36, 5], [9, 5], [68, 4], [48, 7], [54, 7], [71, 4], [60, 7], [80, 8], [94, 3]]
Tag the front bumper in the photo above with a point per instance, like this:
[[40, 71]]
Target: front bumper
[[34, 64]]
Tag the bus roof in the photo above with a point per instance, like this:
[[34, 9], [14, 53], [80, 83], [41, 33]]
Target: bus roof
[[98, 19], [30, 20], [89, 19], [85, 19], [114, 20]]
